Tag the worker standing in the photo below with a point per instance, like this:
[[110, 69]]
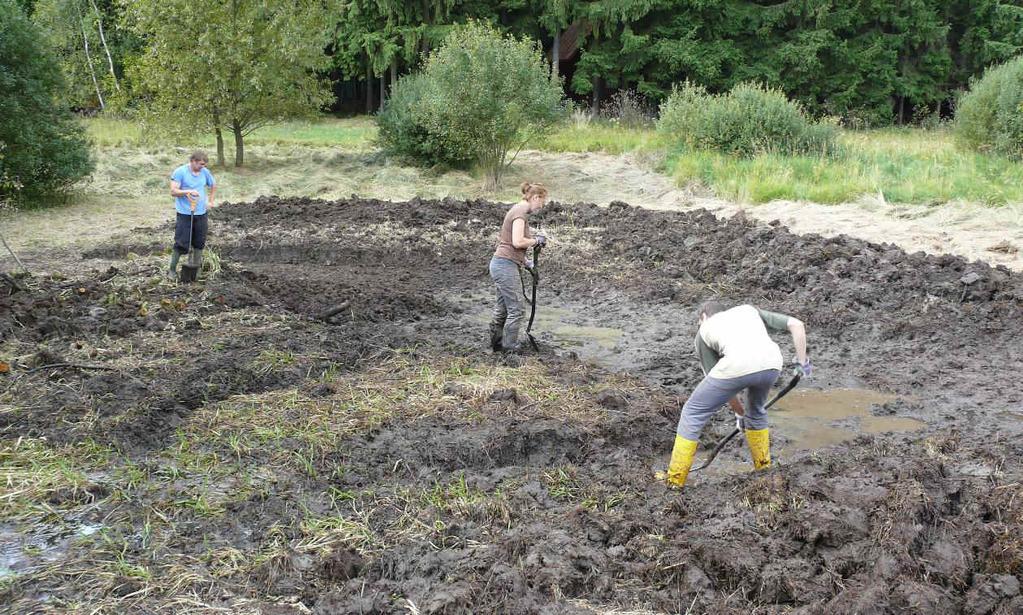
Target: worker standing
[[514, 238], [736, 353]]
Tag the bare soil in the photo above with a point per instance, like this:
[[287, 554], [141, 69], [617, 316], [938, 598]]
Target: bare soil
[[256, 458]]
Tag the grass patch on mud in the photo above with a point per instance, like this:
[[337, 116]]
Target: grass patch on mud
[[255, 490]]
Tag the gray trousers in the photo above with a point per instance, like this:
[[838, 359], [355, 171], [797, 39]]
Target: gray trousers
[[712, 393], [508, 309]]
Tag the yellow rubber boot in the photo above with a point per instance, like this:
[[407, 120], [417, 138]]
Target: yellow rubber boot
[[681, 460], [759, 448]]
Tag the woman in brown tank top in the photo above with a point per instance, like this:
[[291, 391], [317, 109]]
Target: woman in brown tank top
[[513, 240]]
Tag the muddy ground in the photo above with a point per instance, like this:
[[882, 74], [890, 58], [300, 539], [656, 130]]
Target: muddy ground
[[221, 446]]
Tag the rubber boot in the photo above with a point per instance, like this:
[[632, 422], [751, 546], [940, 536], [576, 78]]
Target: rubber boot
[[681, 460], [172, 273], [496, 331], [759, 448]]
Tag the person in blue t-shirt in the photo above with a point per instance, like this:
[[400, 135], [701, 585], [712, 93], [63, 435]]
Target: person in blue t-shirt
[[192, 186]]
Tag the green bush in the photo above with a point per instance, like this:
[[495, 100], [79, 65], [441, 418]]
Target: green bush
[[748, 120], [990, 116], [481, 96], [42, 148], [404, 133]]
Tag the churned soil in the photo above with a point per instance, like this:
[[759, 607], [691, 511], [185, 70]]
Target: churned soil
[[353, 446]]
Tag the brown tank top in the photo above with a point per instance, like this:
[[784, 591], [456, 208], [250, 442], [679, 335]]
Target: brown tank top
[[505, 249]]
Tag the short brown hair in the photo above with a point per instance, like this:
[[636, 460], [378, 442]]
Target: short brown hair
[[530, 190], [199, 155], [710, 308]]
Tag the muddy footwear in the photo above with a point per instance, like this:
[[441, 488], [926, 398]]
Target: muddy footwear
[[759, 448], [681, 460], [172, 272], [496, 331]]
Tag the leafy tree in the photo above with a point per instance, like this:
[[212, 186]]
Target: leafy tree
[[235, 65], [481, 96], [90, 46], [42, 148]]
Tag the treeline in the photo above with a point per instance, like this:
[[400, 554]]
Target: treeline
[[867, 61]]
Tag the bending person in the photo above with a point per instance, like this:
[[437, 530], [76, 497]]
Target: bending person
[[514, 239], [736, 353]]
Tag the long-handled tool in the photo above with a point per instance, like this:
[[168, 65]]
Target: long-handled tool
[[189, 272], [532, 303], [720, 445]]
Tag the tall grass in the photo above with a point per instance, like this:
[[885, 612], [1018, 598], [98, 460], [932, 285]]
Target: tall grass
[[600, 137], [905, 165]]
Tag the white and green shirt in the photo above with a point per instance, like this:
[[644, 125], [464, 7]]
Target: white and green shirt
[[735, 342]]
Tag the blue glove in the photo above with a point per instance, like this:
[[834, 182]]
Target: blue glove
[[806, 369], [541, 239], [529, 264]]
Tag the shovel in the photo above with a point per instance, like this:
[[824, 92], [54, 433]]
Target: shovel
[[532, 303], [720, 445], [190, 269]]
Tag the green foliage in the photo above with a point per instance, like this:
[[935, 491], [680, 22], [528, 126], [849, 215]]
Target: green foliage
[[237, 65], [990, 115], [42, 148], [480, 96], [750, 119], [403, 130]]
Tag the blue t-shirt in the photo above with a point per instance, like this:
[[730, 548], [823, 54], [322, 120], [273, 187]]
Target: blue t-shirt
[[188, 181]]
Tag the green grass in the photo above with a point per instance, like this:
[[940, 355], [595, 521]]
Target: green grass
[[900, 166], [599, 137], [904, 165]]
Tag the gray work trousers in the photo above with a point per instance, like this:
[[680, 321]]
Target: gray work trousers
[[508, 310], [712, 393]]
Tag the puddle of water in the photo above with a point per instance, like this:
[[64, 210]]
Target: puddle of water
[[1012, 416], [811, 419], [808, 418], [567, 329], [21, 551]]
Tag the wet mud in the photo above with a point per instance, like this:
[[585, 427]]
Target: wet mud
[[363, 451]]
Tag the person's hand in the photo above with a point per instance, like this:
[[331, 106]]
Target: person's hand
[[805, 370], [541, 239], [193, 194], [529, 264]]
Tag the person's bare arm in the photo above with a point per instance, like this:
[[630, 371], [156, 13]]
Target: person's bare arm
[[798, 331], [519, 239], [175, 190], [209, 199]]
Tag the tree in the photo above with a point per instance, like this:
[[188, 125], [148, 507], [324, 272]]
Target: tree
[[235, 65], [482, 96], [90, 47], [43, 150]]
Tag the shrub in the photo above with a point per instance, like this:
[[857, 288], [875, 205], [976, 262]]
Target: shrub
[[403, 131], [480, 96], [749, 120], [42, 148], [990, 116]]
